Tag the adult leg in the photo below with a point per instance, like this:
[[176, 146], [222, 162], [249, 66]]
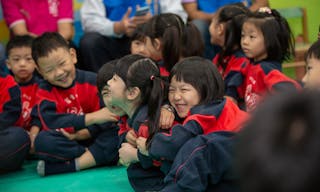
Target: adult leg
[[96, 50], [14, 147]]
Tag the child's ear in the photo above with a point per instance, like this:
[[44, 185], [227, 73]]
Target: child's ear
[[73, 54], [157, 44], [133, 93], [220, 28]]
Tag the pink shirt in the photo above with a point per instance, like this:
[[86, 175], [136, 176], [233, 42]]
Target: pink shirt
[[39, 15]]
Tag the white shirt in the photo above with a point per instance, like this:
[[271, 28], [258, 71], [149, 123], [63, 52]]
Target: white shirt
[[93, 15]]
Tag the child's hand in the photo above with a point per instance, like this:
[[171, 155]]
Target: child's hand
[[128, 154], [166, 117], [101, 116], [141, 145], [131, 137], [70, 136]]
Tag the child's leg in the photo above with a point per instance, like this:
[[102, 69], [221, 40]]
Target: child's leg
[[14, 146], [105, 148], [52, 146]]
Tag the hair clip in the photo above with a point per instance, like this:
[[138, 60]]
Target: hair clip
[[152, 77], [265, 10]]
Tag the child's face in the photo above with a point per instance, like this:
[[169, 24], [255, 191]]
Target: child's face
[[117, 89], [311, 79], [106, 96], [252, 42], [216, 31], [21, 64], [138, 47], [182, 96], [154, 49], [58, 68]]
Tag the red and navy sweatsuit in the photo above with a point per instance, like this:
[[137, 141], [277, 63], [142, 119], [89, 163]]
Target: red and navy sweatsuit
[[144, 175], [28, 98], [232, 74], [66, 108], [15, 142], [204, 163], [220, 115], [262, 78]]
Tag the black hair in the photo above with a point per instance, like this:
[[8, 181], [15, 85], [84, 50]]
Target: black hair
[[138, 33], [233, 16], [144, 74], [202, 75], [105, 73], [19, 41], [123, 64], [313, 51], [175, 36], [278, 150], [278, 38], [46, 43]]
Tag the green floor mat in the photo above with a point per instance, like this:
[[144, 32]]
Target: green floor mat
[[109, 179]]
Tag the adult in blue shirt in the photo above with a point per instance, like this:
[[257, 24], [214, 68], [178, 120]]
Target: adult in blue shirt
[[108, 25]]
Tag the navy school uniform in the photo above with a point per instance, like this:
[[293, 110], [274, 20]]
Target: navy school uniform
[[262, 78], [220, 115], [15, 142], [66, 108], [144, 175], [232, 74], [204, 163], [28, 98]]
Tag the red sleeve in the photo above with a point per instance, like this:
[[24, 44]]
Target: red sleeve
[[65, 10], [11, 11]]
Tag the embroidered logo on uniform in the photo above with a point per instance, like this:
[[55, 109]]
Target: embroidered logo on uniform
[[53, 7]]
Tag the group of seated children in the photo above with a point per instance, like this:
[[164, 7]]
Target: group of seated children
[[165, 112]]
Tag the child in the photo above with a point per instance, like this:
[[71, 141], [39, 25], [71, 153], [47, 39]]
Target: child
[[311, 79], [168, 39], [196, 92], [136, 88], [22, 66], [278, 149], [267, 40], [137, 42], [74, 133], [15, 142], [225, 30]]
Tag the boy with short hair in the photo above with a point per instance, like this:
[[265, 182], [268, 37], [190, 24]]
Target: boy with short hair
[[71, 112], [15, 142], [20, 63]]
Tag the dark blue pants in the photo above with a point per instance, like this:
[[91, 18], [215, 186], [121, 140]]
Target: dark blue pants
[[14, 147], [96, 50], [204, 163], [142, 179], [52, 146]]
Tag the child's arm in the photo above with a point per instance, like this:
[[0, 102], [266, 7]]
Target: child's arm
[[166, 116], [34, 131], [167, 145], [82, 134], [101, 116]]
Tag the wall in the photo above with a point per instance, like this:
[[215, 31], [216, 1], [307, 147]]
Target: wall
[[312, 7]]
